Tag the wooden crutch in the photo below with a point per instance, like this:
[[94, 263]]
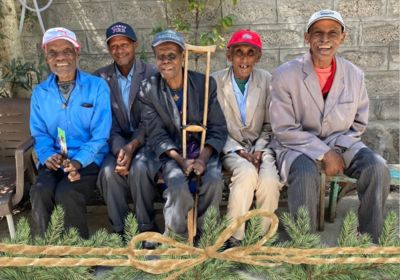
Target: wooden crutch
[[192, 214]]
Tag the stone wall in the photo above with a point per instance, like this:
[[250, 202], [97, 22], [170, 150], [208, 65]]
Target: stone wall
[[372, 42]]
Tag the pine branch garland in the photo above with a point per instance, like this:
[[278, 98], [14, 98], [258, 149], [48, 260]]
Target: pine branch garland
[[297, 228]]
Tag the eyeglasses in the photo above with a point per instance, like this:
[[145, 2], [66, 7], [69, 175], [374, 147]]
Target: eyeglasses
[[170, 57], [66, 53]]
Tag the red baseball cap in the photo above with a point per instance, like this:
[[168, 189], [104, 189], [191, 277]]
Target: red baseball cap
[[245, 36]]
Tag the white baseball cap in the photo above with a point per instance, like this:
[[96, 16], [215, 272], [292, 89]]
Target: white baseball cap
[[325, 14], [58, 33]]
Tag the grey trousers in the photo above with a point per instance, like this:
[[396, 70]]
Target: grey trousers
[[373, 182], [53, 187], [117, 191], [178, 198]]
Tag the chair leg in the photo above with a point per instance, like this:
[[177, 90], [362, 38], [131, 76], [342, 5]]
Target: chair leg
[[333, 198], [11, 228], [321, 222]]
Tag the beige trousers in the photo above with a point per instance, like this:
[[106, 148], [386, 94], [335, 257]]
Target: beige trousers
[[246, 183]]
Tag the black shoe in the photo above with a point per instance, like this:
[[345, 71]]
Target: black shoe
[[232, 242], [149, 245]]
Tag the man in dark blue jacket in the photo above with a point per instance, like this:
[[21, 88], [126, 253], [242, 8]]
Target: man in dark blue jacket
[[123, 76]]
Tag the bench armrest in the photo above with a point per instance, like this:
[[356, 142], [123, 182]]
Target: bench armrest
[[22, 153]]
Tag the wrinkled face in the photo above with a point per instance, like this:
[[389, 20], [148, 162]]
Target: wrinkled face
[[122, 50], [324, 37], [62, 56], [243, 59], [169, 59]]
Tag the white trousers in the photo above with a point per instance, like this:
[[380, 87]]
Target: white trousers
[[246, 183]]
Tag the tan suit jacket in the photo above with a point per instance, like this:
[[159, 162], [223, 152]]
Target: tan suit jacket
[[303, 123], [255, 135]]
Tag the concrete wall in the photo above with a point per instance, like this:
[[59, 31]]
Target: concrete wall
[[372, 42]]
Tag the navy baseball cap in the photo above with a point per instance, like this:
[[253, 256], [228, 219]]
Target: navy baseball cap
[[120, 29], [168, 36]]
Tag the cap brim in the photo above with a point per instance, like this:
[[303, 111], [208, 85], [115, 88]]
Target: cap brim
[[115, 35], [168, 41], [243, 43], [325, 17]]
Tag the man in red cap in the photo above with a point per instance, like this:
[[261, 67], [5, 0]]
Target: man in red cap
[[244, 93]]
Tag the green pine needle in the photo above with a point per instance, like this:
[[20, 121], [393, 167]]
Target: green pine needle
[[56, 227], [253, 231], [389, 232], [131, 228], [348, 234]]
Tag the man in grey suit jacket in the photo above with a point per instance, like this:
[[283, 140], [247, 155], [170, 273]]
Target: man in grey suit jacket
[[123, 76], [319, 110], [244, 95]]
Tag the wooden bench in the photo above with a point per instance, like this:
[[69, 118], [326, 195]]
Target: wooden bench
[[16, 167], [341, 186]]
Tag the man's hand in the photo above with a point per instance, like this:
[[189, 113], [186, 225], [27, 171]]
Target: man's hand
[[71, 167], [54, 162], [121, 170], [187, 166], [333, 163], [255, 158], [124, 158], [245, 155], [199, 166]]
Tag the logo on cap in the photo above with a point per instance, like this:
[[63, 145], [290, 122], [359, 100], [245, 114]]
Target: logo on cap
[[119, 29], [247, 36]]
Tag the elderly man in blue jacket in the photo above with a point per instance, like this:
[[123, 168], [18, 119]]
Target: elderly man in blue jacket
[[70, 122]]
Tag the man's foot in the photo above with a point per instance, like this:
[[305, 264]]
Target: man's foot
[[232, 242], [149, 245]]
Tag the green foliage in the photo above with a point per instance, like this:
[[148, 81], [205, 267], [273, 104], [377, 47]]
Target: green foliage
[[211, 269], [19, 74], [389, 232], [253, 231], [298, 229], [197, 9]]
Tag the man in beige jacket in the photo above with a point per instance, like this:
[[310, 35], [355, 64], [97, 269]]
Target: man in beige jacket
[[244, 95], [319, 110]]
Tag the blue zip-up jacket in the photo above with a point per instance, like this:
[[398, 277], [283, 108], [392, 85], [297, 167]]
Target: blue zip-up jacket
[[86, 120]]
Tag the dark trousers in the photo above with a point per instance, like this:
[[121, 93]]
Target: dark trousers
[[117, 191], [178, 198], [53, 188], [373, 182]]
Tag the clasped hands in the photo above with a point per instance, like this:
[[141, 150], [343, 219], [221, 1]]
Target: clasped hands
[[198, 166], [71, 167], [255, 158]]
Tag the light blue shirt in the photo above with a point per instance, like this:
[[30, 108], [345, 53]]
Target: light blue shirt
[[86, 120], [241, 98], [124, 84]]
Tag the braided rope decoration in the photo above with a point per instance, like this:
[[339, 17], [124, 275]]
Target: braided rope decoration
[[257, 254]]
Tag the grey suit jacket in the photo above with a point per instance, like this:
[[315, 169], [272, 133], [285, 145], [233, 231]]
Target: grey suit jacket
[[255, 135], [303, 123], [125, 128]]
